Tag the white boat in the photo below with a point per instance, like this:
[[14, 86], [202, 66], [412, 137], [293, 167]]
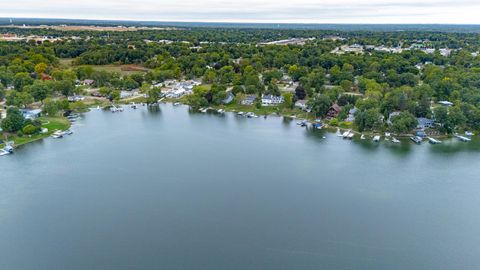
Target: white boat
[[376, 138], [251, 115], [395, 140], [68, 132], [57, 134], [302, 123], [345, 134], [7, 150], [469, 133], [362, 137], [416, 139], [350, 135], [462, 138], [203, 110], [177, 104], [338, 133], [388, 134], [434, 141], [240, 113], [221, 111]]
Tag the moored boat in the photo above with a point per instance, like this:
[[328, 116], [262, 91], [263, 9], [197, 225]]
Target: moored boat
[[416, 139], [57, 134], [434, 141], [462, 138], [376, 138], [395, 140]]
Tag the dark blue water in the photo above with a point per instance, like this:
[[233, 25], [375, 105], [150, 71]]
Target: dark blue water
[[175, 190]]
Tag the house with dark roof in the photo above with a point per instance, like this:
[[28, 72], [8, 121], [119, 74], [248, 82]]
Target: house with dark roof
[[333, 111]]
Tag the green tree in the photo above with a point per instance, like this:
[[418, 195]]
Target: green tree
[[38, 90], [21, 80], [404, 122], [319, 104], [14, 120]]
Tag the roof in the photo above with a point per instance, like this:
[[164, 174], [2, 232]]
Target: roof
[[446, 103], [335, 107]]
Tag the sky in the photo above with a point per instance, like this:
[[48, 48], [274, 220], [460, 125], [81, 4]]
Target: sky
[[267, 11]]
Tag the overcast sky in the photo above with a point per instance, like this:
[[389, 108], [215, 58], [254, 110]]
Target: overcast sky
[[289, 11]]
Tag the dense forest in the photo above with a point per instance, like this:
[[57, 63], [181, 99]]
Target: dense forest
[[375, 83]]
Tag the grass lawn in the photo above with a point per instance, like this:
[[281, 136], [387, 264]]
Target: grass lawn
[[51, 123]]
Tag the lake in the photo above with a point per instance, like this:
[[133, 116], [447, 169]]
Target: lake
[[171, 189]]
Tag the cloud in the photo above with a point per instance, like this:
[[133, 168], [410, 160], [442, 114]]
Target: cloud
[[301, 11]]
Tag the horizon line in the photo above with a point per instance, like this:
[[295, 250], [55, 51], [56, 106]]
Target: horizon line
[[233, 22]]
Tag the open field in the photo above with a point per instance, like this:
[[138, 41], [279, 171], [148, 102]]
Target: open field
[[122, 69]]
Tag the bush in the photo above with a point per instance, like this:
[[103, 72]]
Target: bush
[[30, 129], [334, 122]]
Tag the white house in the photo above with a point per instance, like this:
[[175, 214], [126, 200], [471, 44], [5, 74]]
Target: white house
[[272, 100]]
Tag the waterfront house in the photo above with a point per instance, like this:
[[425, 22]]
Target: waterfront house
[[391, 116], [75, 98], [424, 123], [301, 104], [272, 100], [31, 114], [249, 100], [229, 98], [333, 111], [351, 115]]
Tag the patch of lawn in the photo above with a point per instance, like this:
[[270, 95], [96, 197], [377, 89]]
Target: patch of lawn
[[51, 123]]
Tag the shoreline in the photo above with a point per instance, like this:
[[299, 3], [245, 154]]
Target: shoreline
[[25, 140]]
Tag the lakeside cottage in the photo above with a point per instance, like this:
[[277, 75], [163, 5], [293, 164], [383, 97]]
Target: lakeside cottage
[[76, 98], [272, 100], [249, 100], [180, 89], [301, 104], [229, 98], [391, 116], [351, 115], [424, 123], [333, 111], [31, 114]]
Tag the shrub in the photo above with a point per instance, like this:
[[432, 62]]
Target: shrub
[[30, 129]]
